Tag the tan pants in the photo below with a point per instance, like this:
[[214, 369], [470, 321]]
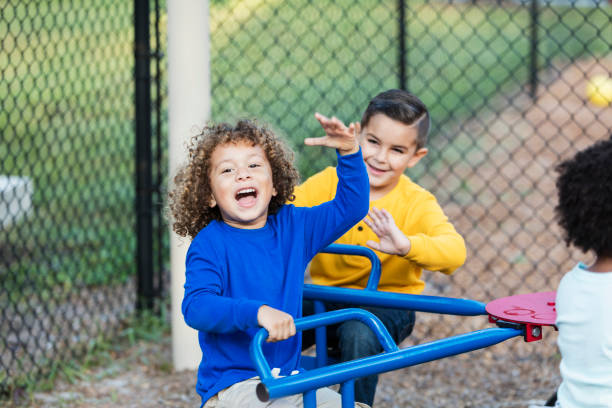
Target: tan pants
[[242, 395]]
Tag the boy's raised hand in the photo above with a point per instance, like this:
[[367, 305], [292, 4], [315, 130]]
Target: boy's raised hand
[[280, 325], [337, 135], [392, 239]]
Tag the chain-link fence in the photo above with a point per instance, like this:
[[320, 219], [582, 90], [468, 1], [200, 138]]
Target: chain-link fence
[[504, 80], [67, 239]]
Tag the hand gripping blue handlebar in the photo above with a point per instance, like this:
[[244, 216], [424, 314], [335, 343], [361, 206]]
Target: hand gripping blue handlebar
[[309, 386], [323, 319]]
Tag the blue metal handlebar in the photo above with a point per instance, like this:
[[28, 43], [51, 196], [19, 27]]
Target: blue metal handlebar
[[393, 358], [418, 303], [342, 373], [343, 249], [323, 319], [372, 297]]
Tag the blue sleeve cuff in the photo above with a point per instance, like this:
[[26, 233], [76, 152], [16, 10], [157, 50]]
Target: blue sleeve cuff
[[348, 156], [247, 313]]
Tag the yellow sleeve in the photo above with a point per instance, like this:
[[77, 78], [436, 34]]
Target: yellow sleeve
[[437, 246], [317, 189]]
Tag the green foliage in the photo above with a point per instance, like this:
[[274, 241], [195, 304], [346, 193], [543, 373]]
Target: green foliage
[[66, 124], [281, 64]]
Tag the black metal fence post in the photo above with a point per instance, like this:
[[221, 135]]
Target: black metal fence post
[[144, 186], [402, 43], [160, 228]]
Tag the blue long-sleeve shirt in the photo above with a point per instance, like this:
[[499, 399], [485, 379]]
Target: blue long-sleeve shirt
[[232, 272]]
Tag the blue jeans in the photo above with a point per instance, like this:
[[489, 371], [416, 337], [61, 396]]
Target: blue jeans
[[352, 339]]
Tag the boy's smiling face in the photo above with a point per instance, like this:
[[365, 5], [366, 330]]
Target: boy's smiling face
[[242, 184], [389, 148]]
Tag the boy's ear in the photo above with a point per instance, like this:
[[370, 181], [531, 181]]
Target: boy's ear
[[274, 193], [212, 202], [417, 156]]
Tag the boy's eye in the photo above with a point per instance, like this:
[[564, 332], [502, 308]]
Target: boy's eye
[[372, 141], [253, 165], [400, 151], [227, 170]]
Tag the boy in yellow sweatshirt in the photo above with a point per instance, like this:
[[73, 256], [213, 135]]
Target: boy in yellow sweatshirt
[[405, 226]]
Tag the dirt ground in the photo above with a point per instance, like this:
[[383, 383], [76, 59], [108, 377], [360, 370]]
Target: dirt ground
[[519, 147], [140, 378]]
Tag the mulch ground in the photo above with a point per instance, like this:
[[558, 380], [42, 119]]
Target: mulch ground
[[140, 377]]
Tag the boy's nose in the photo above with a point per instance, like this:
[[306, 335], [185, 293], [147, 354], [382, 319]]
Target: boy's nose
[[243, 173], [381, 155]]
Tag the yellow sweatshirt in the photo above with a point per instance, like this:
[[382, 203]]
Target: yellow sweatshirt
[[435, 244]]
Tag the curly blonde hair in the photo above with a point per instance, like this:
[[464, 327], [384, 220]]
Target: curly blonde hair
[[189, 201]]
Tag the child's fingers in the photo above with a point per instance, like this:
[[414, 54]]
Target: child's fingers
[[373, 244], [376, 216], [292, 329], [281, 331], [374, 227], [321, 118], [316, 141], [386, 215], [332, 124], [386, 218], [322, 141], [327, 122], [372, 222]]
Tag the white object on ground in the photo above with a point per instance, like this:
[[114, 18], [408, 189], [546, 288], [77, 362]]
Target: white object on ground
[[15, 199]]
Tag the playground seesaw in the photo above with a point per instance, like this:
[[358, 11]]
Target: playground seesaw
[[521, 315]]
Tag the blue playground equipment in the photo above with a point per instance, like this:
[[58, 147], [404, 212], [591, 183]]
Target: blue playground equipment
[[522, 315]]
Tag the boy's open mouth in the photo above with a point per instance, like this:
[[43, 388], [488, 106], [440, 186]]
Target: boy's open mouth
[[246, 197]]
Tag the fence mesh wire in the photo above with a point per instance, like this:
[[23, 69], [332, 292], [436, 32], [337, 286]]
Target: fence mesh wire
[[505, 82], [66, 179]]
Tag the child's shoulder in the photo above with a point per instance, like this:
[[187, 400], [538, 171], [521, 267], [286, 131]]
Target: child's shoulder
[[207, 234]]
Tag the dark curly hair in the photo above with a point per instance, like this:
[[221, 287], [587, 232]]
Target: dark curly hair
[[584, 211], [190, 198]]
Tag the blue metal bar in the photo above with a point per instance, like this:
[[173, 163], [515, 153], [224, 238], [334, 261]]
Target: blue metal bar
[[310, 399], [419, 303], [310, 322], [337, 316], [344, 249], [320, 337], [343, 372], [347, 389]]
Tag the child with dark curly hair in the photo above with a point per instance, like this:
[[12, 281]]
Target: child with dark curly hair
[[584, 296], [245, 265]]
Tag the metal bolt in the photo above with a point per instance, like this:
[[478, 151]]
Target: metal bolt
[[536, 331]]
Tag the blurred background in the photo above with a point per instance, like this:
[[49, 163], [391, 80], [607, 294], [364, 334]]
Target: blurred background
[[513, 87]]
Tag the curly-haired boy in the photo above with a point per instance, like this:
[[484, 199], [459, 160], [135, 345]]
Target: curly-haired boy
[[245, 265]]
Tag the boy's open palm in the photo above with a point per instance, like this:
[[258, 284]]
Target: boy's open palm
[[280, 325], [392, 239], [337, 135]]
